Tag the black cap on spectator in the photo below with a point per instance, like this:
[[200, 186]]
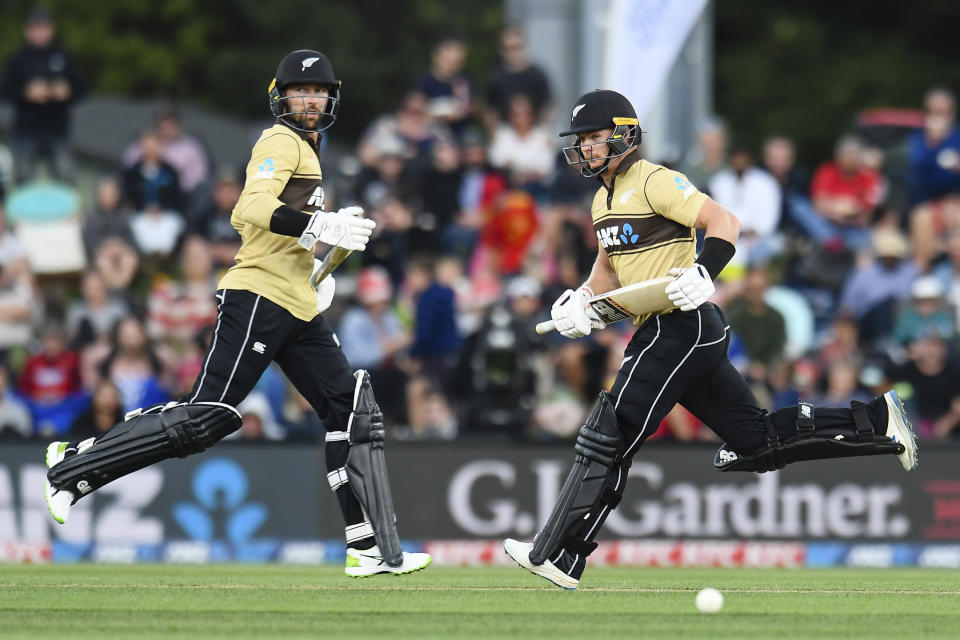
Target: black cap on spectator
[[39, 15]]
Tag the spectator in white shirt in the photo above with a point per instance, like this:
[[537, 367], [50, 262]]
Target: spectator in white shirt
[[754, 195]]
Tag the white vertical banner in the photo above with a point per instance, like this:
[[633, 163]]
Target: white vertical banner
[[643, 40]]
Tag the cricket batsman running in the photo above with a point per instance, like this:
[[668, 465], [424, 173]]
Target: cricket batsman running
[[270, 310], [645, 216]]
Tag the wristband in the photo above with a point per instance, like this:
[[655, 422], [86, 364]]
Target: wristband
[[287, 221], [715, 255]]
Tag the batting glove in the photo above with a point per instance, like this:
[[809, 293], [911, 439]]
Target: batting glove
[[691, 288], [572, 315], [325, 288], [345, 228]]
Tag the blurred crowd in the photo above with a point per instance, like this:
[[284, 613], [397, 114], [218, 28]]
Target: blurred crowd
[[844, 282]]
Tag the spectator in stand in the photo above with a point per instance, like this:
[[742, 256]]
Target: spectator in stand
[[152, 189], [755, 196], [842, 385], [390, 244], [108, 238], [109, 218], [436, 340], [935, 381], [373, 337], [439, 191], [259, 421], [105, 410], [873, 290], [178, 309], [91, 318], [387, 175], [779, 159], [934, 155], [214, 224], [522, 148], [182, 151], [42, 82], [948, 272], [50, 382], [133, 366], [449, 92], [710, 155], [841, 343], [517, 75], [759, 326], [16, 291], [927, 313], [844, 195], [412, 125], [15, 420], [508, 233], [480, 185]]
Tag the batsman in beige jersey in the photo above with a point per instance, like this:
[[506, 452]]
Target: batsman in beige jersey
[[645, 217], [269, 311]]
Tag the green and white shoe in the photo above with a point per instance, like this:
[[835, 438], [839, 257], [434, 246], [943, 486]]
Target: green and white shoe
[[362, 563], [520, 552], [58, 502], [900, 430]]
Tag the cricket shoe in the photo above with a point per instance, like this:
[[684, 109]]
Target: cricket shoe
[[520, 552], [362, 563], [58, 501], [900, 430]]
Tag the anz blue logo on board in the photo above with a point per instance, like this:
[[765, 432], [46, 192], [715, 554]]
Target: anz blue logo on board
[[616, 236], [220, 487]]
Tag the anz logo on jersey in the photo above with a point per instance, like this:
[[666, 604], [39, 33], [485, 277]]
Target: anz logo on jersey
[[616, 236]]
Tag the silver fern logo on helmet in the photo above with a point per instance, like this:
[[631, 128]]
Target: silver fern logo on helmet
[[307, 62]]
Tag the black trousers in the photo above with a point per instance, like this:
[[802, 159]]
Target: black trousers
[[252, 331]]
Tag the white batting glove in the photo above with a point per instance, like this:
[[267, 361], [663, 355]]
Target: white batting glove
[[345, 228], [572, 316], [325, 288], [691, 288]]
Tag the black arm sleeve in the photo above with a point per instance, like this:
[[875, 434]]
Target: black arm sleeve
[[716, 253], [287, 221]]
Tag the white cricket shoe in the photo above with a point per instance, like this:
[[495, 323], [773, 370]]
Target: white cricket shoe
[[362, 563], [58, 502], [520, 552], [900, 430]]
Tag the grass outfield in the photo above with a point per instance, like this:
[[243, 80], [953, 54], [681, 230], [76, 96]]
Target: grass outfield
[[164, 601]]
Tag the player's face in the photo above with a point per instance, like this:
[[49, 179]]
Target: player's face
[[594, 148], [307, 103]]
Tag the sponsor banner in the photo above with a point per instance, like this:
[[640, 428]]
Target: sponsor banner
[[844, 554], [244, 501]]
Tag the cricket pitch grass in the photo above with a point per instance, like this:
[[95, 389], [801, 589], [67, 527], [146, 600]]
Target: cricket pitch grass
[[271, 601]]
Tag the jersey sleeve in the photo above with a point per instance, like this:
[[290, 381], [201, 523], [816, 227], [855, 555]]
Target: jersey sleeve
[[274, 159], [672, 196]]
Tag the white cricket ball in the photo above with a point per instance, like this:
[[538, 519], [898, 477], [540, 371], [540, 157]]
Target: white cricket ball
[[709, 600]]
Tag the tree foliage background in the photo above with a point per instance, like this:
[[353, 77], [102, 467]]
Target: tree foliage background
[[804, 68], [223, 53]]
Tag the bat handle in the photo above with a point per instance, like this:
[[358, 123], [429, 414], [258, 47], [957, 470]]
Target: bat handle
[[545, 327]]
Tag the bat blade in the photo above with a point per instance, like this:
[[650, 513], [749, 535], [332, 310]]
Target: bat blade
[[630, 301], [331, 261]]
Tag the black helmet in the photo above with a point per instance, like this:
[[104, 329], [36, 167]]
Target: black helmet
[[304, 67], [602, 109]]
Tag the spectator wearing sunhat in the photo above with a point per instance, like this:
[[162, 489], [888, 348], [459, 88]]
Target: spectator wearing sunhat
[[872, 291], [927, 313]]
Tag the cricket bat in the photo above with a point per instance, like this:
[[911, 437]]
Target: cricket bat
[[626, 302], [330, 262]]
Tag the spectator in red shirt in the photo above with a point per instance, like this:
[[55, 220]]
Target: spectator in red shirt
[[843, 196], [51, 375], [50, 383]]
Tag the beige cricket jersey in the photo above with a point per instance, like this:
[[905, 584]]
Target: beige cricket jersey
[[645, 221], [283, 169]]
